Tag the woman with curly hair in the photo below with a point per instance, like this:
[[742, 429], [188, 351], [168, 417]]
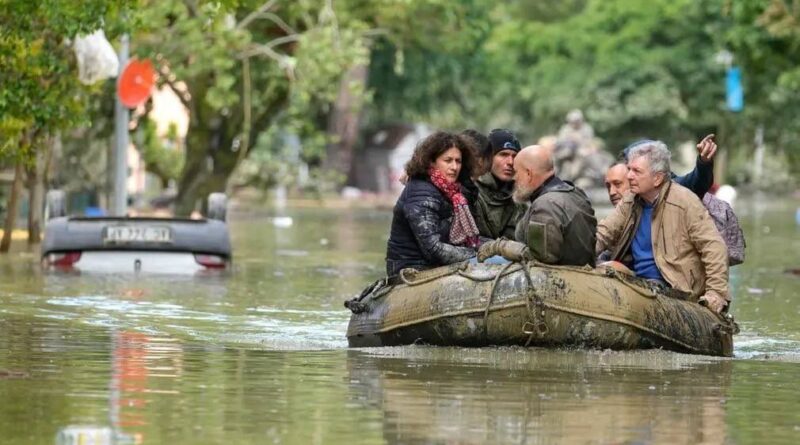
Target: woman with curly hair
[[432, 224]]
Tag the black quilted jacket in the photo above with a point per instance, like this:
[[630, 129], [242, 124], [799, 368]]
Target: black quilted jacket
[[420, 234]]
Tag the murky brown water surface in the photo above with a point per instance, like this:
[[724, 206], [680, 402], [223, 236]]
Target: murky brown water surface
[[259, 356]]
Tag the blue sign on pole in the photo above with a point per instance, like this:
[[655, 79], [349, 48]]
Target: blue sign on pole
[[733, 89]]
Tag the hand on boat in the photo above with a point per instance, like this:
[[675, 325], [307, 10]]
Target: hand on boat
[[510, 250], [715, 303]]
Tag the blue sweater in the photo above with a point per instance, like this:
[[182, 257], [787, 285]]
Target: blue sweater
[[644, 264]]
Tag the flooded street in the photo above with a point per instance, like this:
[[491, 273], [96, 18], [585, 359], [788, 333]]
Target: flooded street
[[259, 355]]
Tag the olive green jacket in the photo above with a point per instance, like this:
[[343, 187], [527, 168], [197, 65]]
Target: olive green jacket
[[496, 213], [560, 226]]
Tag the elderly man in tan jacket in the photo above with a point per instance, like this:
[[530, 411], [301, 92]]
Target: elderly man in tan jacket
[[667, 231]]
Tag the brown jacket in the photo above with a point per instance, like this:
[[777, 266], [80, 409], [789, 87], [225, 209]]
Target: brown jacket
[[687, 247]]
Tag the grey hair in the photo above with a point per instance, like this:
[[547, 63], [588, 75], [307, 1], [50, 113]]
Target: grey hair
[[656, 153]]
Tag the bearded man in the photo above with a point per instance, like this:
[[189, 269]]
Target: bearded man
[[559, 226]]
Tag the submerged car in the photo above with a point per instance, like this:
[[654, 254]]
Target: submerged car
[[136, 244]]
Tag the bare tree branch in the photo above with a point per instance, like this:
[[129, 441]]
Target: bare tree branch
[[267, 48], [180, 92], [283, 60], [376, 32], [191, 7], [278, 21], [255, 14]]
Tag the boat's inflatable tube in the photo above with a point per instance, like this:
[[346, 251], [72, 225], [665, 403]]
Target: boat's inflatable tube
[[533, 304]]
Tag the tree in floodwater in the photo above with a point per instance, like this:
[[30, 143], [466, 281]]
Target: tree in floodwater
[[240, 69], [41, 93]]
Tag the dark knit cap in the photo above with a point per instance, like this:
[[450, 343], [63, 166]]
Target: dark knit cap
[[501, 139]]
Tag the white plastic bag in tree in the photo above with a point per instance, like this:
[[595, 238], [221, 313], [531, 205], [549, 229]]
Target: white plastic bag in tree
[[97, 59]]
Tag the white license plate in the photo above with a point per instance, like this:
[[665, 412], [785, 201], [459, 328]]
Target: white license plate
[[126, 234]]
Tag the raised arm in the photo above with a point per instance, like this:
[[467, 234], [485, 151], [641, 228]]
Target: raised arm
[[701, 178]]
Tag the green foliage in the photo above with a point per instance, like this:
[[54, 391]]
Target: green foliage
[[632, 66], [84, 160], [41, 93], [324, 53], [636, 69], [764, 36], [428, 75], [250, 76], [162, 154], [243, 70]]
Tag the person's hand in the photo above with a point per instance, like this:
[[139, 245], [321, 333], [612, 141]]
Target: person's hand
[[713, 302], [707, 148], [487, 250], [508, 249]]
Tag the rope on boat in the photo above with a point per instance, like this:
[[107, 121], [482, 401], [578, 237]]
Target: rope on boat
[[537, 313], [537, 325], [491, 295], [357, 305], [503, 271], [536, 306], [460, 268]]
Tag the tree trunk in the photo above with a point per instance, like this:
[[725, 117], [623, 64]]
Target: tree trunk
[[209, 158], [11, 212], [345, 119], [36, 184], [209, 163]]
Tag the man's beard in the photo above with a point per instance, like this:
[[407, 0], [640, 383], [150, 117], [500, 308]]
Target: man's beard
[[522, 193]]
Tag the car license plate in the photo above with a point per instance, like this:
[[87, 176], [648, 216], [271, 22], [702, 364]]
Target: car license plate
[[145, 234]]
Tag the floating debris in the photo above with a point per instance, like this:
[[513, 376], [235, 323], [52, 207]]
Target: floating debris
[[282, 221]]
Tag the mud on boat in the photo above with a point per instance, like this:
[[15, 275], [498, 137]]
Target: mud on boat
[[534, 304]]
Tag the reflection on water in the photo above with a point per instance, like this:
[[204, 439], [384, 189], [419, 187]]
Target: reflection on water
[[518, 396], [259, 356]]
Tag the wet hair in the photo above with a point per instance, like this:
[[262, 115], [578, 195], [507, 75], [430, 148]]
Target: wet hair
[[433, 146], [656, 153]]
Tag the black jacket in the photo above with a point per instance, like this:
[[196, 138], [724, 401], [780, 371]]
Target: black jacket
[[699, 180], [420, 234]]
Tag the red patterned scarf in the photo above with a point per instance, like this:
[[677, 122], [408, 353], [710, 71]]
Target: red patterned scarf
[[463, 230]]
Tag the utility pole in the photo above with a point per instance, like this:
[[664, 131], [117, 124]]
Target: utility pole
[[758, 161], [119, 201]]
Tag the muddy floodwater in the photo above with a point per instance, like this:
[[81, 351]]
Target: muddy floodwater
[[258, 355]]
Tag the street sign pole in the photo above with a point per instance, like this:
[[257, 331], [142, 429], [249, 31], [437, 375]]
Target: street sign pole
[[119, 201]]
